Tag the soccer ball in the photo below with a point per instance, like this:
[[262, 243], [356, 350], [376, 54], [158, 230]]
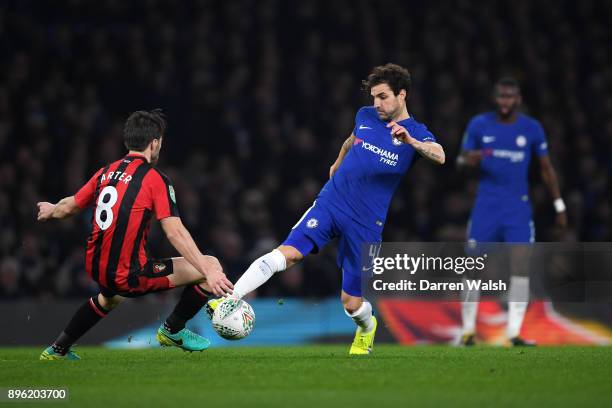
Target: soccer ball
[[233, 319]]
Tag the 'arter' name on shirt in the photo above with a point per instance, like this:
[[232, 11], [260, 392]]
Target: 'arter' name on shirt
[[116, 175]]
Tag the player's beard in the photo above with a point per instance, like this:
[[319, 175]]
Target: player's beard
[[508, 113], [382, 115], [388, 117]]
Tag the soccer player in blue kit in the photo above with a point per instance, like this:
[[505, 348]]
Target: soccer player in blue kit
[[353, 204], [501, 145]]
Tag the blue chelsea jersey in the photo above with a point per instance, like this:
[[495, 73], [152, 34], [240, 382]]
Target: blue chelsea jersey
[[367, 178], [507, 149]]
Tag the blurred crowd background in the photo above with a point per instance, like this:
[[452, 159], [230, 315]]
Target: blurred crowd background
[[260, 95]]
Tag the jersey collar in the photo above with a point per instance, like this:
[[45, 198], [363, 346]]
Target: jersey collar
[[136, 156]]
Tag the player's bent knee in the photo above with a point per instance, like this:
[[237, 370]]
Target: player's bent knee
[[292, 255], [184, 273], [109, 303], [351, 303]]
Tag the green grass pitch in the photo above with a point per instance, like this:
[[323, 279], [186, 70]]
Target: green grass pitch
[[321, 376]]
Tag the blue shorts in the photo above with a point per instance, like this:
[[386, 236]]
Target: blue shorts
[[495, 221], [319, 225]]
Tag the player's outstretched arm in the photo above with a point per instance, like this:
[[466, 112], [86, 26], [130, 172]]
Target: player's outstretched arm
[[346, 146], [63, 209], [549, 176], [208, 266], [430, 150]]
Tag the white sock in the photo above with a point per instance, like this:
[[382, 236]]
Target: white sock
[[363, 316], [469, 309], [518, 298], [259, 272]]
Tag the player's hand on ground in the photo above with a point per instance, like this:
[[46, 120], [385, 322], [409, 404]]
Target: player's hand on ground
[[216, 279], [45, 211], [399, 132]]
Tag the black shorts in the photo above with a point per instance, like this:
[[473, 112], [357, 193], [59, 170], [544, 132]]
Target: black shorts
[[153, 277]]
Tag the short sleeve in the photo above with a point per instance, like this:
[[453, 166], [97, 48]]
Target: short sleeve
[[357, 120], [540, 145], [423, 134], [471, 136], [163, 196], [85, 196]]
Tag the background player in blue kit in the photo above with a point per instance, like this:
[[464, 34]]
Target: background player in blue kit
[[353, 205], [501, 144]]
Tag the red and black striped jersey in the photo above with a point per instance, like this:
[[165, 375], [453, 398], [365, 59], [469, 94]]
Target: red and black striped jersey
[[124, 194]]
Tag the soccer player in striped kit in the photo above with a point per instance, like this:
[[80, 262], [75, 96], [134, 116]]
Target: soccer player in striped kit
[[126, 194]]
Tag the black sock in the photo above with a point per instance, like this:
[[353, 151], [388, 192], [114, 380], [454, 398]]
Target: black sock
[[192, 300], [90, 313]]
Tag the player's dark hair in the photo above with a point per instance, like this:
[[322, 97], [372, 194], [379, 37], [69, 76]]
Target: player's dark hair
[[396, 77], [141, 127], [508, 82]]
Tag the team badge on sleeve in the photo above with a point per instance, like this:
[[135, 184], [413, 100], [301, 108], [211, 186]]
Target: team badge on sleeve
[[172, 195], [312, 223]]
